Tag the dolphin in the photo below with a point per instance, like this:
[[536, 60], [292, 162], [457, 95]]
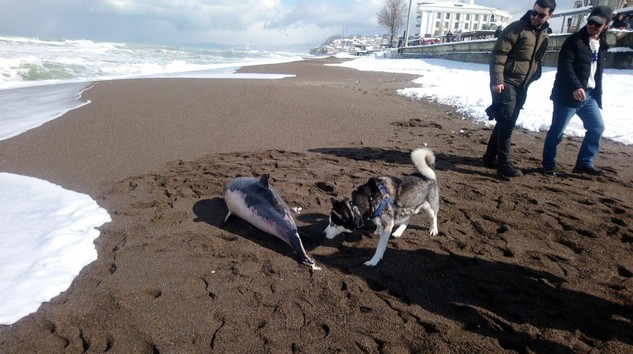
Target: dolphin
[[261, 206]]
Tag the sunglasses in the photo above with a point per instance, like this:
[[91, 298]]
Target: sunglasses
[[538, 14], [593, 23]]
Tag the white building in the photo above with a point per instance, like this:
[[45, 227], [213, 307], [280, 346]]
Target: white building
[[436, 18], [576, 21]]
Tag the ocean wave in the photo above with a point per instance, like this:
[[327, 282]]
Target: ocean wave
[[30, 60]]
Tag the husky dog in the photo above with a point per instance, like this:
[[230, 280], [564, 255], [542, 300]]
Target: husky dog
[[389, 202]]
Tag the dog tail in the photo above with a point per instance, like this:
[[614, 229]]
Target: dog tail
[[424, 161]]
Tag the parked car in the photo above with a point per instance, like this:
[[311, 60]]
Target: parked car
[[429, 40], [423, 41]]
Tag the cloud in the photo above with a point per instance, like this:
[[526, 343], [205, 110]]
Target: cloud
[[193, 15], [335, 13], [249, 18], [230, 22]]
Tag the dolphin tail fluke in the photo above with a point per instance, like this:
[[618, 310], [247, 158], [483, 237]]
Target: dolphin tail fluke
[[310, 263], [295, 242]]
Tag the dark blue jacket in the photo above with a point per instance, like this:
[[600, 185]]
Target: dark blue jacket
[[574, 68]]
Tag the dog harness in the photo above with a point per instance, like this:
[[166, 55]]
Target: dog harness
[[385, 200]]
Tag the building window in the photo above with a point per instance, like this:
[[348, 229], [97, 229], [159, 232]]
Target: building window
[[466, 26], [456, 25], [439, 15], [448, 16], [456, 17], [492, 19], [484, 18], [475, 27], [476, 18], [467, 17]]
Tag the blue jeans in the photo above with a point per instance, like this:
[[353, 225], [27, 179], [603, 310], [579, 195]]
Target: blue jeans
[[591, 117]]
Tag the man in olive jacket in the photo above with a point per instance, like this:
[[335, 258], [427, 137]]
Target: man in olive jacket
[[516, 61]]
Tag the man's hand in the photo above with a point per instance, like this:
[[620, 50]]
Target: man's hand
[[580, 95], [497, 88]]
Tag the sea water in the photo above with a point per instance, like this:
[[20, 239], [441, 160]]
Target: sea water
[[40, 80]]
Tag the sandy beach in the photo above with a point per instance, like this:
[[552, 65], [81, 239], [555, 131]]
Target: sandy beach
[[536, 264]]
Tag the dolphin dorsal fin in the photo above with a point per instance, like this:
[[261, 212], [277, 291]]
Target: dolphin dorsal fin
[[263, 180]]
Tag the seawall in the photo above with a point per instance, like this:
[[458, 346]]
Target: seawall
[[478, 51]]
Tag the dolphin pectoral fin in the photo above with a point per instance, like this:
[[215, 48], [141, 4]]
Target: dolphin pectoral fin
[[227, 216]]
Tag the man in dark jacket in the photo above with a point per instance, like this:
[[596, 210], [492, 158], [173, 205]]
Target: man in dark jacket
[[516, 61], [578, 90]]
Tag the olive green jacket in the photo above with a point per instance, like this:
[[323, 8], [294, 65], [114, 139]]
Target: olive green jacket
[[517, 57]]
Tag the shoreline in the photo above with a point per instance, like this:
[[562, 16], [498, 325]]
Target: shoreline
[[172, 122], [534, 264]]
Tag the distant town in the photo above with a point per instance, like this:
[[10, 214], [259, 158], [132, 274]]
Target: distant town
[[431, 22], [435, 22], [354, 45]]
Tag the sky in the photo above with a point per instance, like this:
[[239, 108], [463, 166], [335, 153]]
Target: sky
[[274, 24], [47, 232]]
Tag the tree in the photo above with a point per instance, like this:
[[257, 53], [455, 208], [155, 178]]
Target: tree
[[392, 16]]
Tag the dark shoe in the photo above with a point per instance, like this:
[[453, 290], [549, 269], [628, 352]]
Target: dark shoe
[[590, 170], [549, 172], [508, 171], [489, 162]]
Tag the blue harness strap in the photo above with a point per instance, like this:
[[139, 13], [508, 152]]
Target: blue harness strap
[[385, 200]]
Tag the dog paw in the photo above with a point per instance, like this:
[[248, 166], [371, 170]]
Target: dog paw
[[433, 232], [371, 262], [399, 231]]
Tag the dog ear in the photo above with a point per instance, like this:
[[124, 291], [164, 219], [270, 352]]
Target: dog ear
[[333, 201]]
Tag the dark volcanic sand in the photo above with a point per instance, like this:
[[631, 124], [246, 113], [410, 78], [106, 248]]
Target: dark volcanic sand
[[536, 264]]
